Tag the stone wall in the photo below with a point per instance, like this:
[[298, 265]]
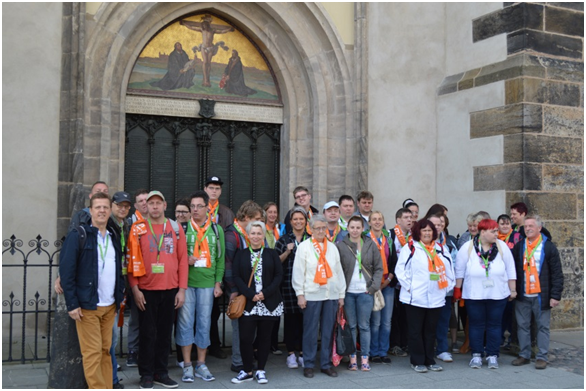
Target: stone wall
[[542, 127]]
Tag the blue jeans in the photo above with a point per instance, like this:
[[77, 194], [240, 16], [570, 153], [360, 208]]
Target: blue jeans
[[236, 356], [115, 331], [380, 325], [198, 302], [443, 327], [323, 312], [358, 308], [485, 315]]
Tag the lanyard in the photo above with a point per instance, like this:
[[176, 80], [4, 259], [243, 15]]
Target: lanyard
[[155, 236], [102, 252], [257, 258], [528, 258], [122, 238], [485, 260], [297, 243], [431, 258]]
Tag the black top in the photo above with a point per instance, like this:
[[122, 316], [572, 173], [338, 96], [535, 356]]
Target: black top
[[272, 273]]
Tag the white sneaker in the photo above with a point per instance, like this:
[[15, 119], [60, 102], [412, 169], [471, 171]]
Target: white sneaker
[[292, 361], [188, 375], [445, 357], [300, 361], [261, 377], [476, 361], [179, 364], [493, 362]]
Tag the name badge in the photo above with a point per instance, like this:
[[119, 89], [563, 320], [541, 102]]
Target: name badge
[[532, 278], [434, 276], [158, 268], [488, 283], [201, 262]]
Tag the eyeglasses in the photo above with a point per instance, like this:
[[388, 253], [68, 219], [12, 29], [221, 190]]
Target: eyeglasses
[[123, 206], [181, 212], [299, 196], [319, 228], [198, 207]]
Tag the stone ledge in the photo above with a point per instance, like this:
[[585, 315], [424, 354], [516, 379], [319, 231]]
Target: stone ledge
[[542, 42], [510, 119], [511, 177], [513, 17]]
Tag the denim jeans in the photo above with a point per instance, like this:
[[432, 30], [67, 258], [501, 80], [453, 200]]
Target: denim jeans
[[236, 356], [198, 302], [443, 327], [485, 315], [380, 325], [358, 308], [324, 313], [115, 331], [133, 325], [523, 310]]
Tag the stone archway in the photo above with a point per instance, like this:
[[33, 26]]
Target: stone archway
[[319, 147]]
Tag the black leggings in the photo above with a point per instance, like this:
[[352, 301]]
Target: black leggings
[[293, 330], [249, 327]]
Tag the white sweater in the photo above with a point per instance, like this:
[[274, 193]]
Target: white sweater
[[502, 269], [304, 268], [416, 287]]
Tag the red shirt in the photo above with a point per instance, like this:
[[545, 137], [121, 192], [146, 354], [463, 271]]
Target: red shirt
[[173, 255]]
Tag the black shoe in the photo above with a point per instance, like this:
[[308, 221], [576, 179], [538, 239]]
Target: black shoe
[[146, 383], [236, 368], [132, 359], [308, 372], [331, 372], [118, 386], [217, 352], [165, 381], [386, 360], [376, 359]]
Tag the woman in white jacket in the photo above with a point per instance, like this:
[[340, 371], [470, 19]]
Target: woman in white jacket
[[426, 275], [486, 268], [320, 286]]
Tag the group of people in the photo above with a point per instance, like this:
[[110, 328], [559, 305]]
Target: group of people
[[308, 269]]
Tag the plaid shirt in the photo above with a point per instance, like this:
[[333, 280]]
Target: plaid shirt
[[287, 291]]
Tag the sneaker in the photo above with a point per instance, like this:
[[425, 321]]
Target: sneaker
[[242, 377], [445, 357], [261, 377], [146, 383], [179, 364], [300, 361], [476, 361], [276, 352], [292, 361], [203, 373], [419, 368], [435, 368], [397, 351], [188, 375], [455, 348], [385, 360], [132, 359], [376, 359], [165, 381], [118, 367], [365, 366], [493, 362], [118, 386]]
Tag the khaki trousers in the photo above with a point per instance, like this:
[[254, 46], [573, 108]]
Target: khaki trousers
[[95, 339]]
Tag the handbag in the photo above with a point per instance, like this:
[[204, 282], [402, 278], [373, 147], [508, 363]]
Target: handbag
[[344, 343], [237, 305], [379, 300]]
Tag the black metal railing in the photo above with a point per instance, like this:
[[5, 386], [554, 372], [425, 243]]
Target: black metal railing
[[25, 312]]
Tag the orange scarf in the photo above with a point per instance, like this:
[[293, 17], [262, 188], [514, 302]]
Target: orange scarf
[[275, 231], [532, 285], [436, 265], [214, 208], [309, 216], [241, 232], [134, 253], [323, 271], [200, 247], [332, 238], [402, 240], [383, 255], [505, 237]]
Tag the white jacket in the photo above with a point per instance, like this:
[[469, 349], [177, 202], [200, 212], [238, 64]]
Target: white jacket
[[304, 268], [416, 287], [502, 269]]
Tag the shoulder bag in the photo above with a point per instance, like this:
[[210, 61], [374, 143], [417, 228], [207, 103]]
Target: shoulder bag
[[237, 304]]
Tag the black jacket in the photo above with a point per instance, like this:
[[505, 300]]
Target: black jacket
[[78, 268], [551, 278], [272, 274]]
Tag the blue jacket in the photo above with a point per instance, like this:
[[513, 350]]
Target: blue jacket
[[78, 269]]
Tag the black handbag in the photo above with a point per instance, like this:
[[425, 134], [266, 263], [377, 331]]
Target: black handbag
[[344, 341]]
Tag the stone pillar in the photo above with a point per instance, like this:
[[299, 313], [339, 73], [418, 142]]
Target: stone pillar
[[542, 124]]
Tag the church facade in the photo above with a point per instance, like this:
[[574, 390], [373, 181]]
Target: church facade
[[472, 105]]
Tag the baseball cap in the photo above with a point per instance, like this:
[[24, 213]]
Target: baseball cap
[[121, 196], [214, 179], [331, 204], [155, 193]]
